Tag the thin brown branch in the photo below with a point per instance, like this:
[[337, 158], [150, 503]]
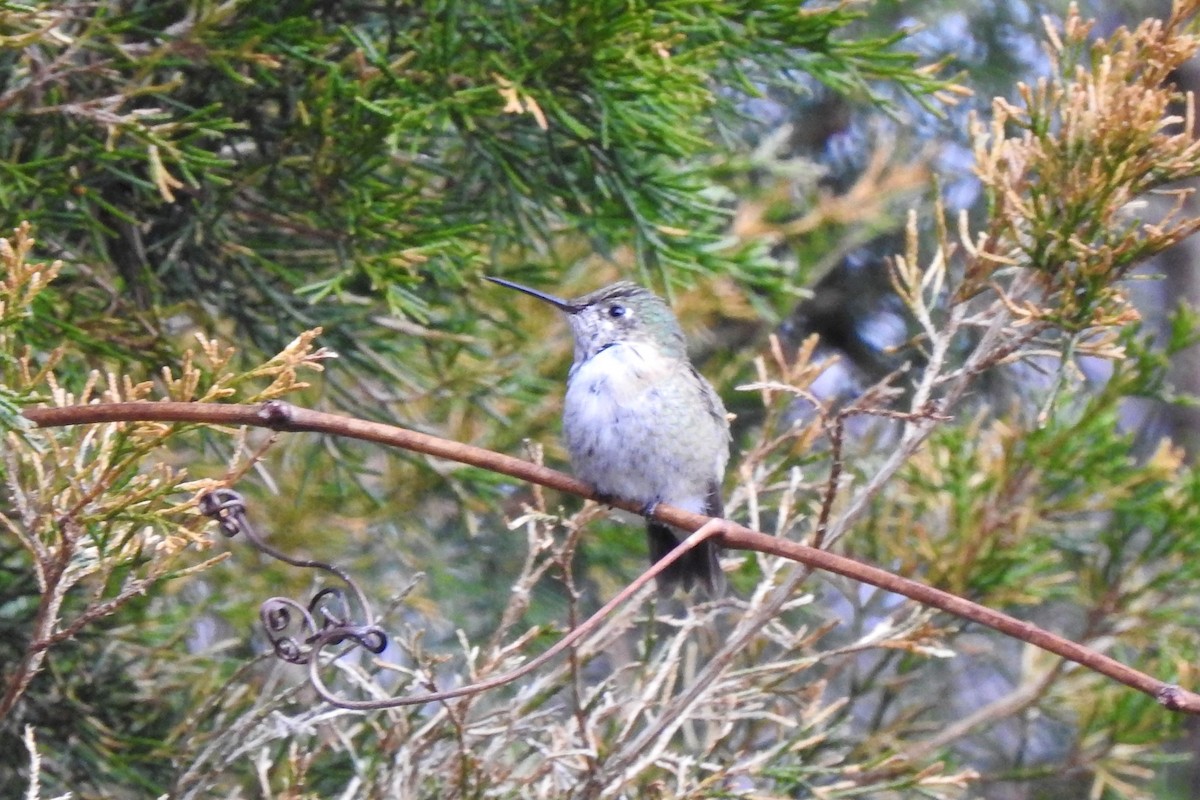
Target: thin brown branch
[[836, 437], [712, 527], [285, 417], [54, 589]]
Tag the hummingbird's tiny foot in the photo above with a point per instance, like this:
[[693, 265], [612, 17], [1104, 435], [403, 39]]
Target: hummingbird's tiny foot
[[648, 509], [605, 499]]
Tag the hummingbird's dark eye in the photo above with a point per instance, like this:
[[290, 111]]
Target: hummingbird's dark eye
[[616, 311]]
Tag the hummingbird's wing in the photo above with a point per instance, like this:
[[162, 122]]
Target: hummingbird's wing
[[712, 400], [702, 563], [714, 577], [714, 506]]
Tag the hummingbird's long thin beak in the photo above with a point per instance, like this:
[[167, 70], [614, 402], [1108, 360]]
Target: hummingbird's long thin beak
[[562, 305]]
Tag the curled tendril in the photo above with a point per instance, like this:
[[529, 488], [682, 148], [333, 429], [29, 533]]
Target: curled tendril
[[229, 510], [297, 632], [330, 603], [326, 620]]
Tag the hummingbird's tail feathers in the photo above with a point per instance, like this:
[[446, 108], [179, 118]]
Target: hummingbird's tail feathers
[[698, 565]]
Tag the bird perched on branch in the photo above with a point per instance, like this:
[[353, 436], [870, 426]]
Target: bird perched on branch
[[639, 422]]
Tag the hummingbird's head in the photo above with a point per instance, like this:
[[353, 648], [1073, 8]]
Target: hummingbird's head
[[620, 313]]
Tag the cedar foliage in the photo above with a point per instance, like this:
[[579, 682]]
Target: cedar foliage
[[203, 173]]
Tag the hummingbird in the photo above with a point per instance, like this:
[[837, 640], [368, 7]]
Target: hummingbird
[[639, 422]]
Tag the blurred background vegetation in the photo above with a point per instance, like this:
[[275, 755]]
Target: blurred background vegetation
[[249, 171]]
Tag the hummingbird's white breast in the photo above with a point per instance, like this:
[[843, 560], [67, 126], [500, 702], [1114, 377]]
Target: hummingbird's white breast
[[637, 427]]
